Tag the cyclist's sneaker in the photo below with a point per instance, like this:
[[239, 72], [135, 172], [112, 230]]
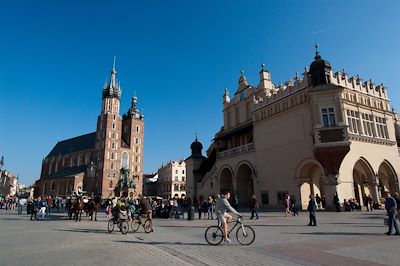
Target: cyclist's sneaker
[[227, 241]]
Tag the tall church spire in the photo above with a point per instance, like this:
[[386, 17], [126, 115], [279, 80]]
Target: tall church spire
[[112, 89]]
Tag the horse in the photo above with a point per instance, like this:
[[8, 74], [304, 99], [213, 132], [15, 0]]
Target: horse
[[92, 207], [77, 207]]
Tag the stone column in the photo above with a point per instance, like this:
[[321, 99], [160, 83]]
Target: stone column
[[375, 190], [330, 191]]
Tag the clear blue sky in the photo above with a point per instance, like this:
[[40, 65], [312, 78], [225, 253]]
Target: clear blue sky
[[177, 56]]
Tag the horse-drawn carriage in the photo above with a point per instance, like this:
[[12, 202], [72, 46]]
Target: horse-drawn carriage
[[76, 204]]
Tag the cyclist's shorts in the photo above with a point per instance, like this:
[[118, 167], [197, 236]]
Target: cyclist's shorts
[[221, 217]]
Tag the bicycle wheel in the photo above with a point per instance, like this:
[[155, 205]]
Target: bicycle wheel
[[148, 226], [213, 235], [110, 225], [245, 235], [124, 227], [135, 224]]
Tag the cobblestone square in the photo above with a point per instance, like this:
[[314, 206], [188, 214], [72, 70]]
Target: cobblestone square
[[355, 238]]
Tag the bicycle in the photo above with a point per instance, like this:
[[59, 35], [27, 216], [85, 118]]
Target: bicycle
[[121, 223], [147, 224], [245, 235]]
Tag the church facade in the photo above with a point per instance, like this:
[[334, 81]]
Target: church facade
[[324, 133], [98, 162]]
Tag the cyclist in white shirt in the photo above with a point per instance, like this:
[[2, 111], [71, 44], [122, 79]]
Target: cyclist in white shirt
[[221, 208]]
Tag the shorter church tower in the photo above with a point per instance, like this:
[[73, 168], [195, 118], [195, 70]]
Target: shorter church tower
[[133, 143]]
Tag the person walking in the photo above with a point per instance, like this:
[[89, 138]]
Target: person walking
[[336, 201], [312, 207], [286, 204], [42, 207], [293, 206], [397, 198], [235, 202], [34, 209], [390, 206], [318, 200], [254, 207], [210, 208]]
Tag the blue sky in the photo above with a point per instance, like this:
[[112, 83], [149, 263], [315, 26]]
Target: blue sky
[[176, 56]]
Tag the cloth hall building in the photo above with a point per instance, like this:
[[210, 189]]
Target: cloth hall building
[[100, 161], [324, 133]]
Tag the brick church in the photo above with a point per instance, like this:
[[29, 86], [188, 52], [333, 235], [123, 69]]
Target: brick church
[[107, 162]]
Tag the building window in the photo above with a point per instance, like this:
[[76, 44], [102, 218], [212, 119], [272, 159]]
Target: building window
[[113, 145], [353, 119], [328, 117], [183, 178], [112, 166], [381, 127], [124, 160], [176, 171], [137, 129], [113, 125], [368, 123], [112, 156], [176, 178], [113, 135], [264, 197], [183, 172]]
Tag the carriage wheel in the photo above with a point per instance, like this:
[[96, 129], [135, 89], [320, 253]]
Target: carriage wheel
[[135, 224], [124, 227], [148, 226], [110, 226]]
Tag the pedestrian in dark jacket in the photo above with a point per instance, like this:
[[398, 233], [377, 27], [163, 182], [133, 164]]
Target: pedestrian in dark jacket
[[312, 207], [254, 207], [34, 209]]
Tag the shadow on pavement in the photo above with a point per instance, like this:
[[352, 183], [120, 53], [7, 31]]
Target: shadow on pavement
[[162, 243], [337, 234], [90, 231]]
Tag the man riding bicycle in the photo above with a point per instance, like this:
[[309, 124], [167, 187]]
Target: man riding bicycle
[[221, 208], [145, 208]]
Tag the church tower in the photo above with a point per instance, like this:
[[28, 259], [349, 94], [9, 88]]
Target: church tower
[[132, 145], [108, 139]]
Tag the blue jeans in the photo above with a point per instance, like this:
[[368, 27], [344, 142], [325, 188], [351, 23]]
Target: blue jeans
[[19, 209], [210, 212], [393, 222], [254, 211]]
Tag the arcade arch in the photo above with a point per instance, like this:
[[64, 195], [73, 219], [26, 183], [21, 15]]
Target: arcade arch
[[226, 180], [363, 180], [311, 181], [245, 183], [388, 180]]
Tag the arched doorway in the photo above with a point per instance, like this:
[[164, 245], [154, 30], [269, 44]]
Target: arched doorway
[[310, 181], [388, 180], [363, 180], [225, 180], [245, 186]]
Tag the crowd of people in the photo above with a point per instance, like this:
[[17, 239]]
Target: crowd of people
[[206, 207]]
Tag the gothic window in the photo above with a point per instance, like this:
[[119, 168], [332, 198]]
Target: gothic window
[[111, 184], [113, 146], [137, 129], [112, 156], [113, 125], [353, 119], [112, 166], [328, 117], [113, 135], [368, 123], [381, 127], [125, 160]]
